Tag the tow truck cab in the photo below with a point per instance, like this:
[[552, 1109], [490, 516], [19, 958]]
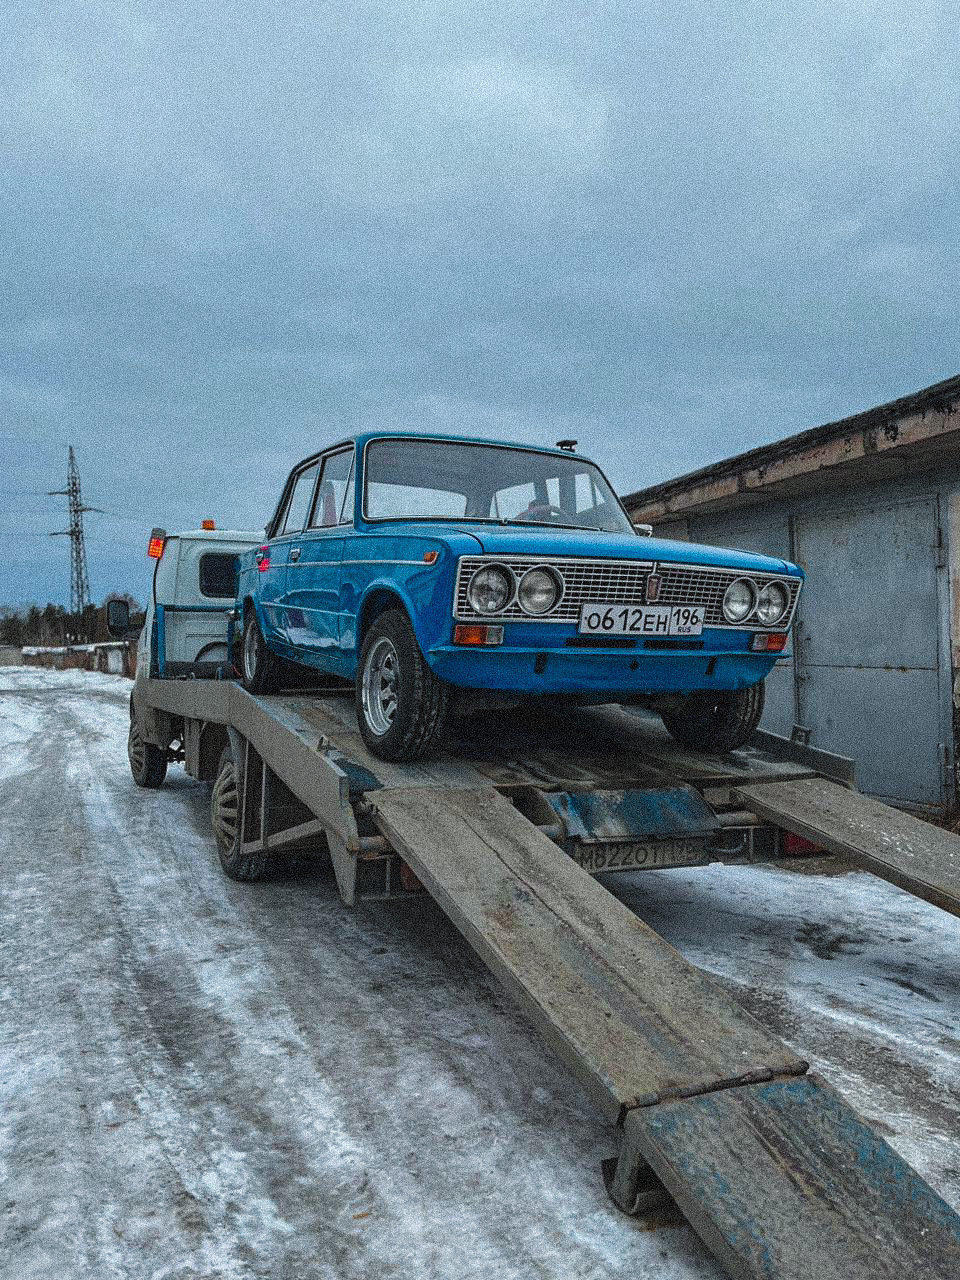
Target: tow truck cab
[[194, 585]]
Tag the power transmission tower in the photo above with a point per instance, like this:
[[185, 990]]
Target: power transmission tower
[[79, 582]]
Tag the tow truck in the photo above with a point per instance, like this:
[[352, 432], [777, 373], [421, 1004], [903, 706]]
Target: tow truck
[[508, 830]]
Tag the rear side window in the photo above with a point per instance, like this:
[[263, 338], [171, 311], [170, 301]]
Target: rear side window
[[334, 500], [299, 505], [218, 575]]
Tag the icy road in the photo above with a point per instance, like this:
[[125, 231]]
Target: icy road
[[206, 1079]]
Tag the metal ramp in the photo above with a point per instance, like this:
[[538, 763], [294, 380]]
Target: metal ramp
[[912, 854], [780, 1178]]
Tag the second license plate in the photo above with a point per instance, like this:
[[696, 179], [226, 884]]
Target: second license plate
[[601, 619]]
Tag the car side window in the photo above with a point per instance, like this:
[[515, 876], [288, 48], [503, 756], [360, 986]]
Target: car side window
[[333, 504], [299, 504]]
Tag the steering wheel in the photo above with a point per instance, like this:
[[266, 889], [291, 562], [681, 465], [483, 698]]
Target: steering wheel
[[544, 508]]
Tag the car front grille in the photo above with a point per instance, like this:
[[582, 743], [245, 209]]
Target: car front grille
[[621, 582]]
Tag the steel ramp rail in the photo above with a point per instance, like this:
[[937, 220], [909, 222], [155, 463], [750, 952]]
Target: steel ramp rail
[[780, 1178], [910, 853]]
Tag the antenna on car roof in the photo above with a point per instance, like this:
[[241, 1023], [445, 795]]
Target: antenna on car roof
[[568, 445]]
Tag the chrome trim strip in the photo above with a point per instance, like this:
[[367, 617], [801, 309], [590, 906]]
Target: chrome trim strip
[[306, 564]]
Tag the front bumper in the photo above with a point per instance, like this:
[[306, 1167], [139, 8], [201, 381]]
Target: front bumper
[[724, 663]]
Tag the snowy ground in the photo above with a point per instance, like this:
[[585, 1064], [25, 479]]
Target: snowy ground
[[205, 1079]]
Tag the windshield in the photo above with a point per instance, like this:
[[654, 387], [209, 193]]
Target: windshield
[[444, 480]]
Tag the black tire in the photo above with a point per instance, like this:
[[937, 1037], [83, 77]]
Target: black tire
[[259, 668], [412, 725], [148, 763], [719, 721], [225, 801]]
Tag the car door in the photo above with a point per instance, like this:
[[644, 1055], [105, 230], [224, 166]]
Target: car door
[[272, 586], [315, 559]]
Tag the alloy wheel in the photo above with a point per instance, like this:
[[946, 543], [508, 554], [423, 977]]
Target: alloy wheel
[[380, 686]]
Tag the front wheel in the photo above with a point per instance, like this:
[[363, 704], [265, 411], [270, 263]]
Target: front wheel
[[225, 801], [148, 763], [402, 706], [720, 721]]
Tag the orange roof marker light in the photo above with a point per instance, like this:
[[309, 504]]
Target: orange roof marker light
[[158, 540], [208, 524]]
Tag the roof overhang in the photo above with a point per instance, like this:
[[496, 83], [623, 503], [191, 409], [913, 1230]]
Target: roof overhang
[[907, 435]]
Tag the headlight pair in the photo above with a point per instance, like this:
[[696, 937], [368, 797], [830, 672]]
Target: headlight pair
[[493, 588], [743, 599]]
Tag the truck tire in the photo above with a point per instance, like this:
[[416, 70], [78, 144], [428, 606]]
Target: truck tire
[[720, 721], [402, 706], [148, 763], [259, 668], [225, 801]]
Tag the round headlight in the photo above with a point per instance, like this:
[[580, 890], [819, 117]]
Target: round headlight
[[773, 604], [539, 591], [491, 589], [739, 599]]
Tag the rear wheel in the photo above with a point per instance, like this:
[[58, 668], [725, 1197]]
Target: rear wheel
[[225, 801], [259, 668], [402, 706], [148, 763], [719, 721]]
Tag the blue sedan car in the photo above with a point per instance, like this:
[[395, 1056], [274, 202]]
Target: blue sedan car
[[444, 574]]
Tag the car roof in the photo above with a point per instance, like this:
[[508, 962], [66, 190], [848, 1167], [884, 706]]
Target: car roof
[[364, 438]]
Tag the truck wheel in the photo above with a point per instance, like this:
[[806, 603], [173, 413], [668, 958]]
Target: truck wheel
[[259, 668], [720, 721], [225, 803], [148, 763], [402, 706]]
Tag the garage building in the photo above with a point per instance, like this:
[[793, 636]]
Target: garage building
[[870, 508]]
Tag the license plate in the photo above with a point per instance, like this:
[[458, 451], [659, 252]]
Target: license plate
[[642, 855], [640, 620]]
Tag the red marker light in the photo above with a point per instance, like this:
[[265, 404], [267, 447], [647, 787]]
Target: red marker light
[[158, 540], [796, 845], [263, 559]]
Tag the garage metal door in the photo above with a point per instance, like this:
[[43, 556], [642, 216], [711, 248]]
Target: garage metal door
[[867, 645]]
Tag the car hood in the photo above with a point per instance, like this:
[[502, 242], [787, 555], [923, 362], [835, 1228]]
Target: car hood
[[507, 540]]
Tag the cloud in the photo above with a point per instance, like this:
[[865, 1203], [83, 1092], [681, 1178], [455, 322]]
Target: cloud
[[234, 232]]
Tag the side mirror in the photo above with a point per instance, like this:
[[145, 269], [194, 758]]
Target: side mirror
[[643, 530], [118, 619]]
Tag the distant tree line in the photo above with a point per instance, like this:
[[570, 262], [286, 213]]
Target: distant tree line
[[51, 625]]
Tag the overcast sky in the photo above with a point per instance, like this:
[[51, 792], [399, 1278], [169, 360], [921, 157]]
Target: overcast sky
[[233, 232]]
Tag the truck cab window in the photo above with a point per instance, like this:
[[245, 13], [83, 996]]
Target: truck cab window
[[218, 575]]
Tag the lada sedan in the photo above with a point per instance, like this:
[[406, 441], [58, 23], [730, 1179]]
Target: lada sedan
[[444, 574]]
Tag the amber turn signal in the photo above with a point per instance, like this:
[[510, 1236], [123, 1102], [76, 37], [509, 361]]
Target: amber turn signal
[[477, 635], [763, 642]]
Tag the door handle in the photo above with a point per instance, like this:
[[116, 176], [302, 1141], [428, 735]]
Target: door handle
[[295, 554]]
